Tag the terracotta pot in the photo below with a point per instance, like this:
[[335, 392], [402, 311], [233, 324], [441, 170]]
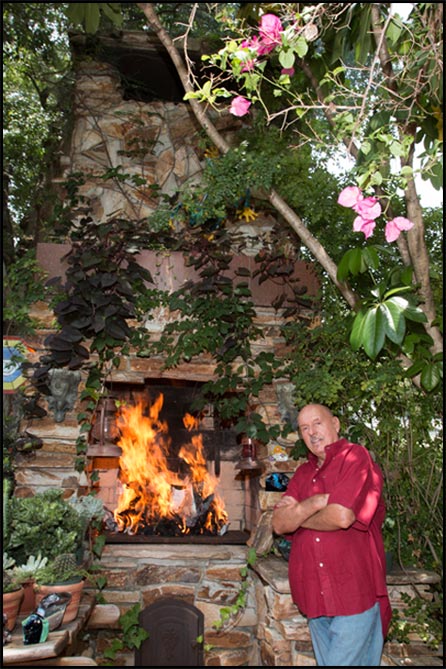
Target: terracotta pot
[[29, 598], [75, 588], [11, 606]]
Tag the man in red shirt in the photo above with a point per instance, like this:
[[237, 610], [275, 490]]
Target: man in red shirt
[[333, 509]]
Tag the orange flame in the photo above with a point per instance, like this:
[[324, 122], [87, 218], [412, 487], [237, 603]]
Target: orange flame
[[155, 499]]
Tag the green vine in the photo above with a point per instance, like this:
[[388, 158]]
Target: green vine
[[104, 287], [132, 634], [421, 617], [229, 613]]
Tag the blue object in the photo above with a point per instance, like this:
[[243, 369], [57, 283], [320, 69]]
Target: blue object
[[35, 629], [276, 482]]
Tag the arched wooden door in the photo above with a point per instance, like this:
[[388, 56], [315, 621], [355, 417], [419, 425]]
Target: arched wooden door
[[173, 627]]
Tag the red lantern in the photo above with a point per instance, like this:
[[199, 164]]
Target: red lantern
[[248, 460], [105, 432]]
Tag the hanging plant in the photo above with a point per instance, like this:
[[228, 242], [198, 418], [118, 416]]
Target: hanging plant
[[104, 287]]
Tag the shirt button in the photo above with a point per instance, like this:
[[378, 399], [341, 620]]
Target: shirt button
[[317, 539], [321, 564], [314, 480]]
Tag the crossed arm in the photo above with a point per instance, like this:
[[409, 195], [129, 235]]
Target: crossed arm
[[313, 513]]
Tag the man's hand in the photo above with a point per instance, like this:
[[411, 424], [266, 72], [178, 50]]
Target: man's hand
[[289, 514]]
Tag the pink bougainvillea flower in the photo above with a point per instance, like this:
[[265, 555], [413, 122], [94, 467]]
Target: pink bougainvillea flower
[[369, 208], [350, 196], [239, 106], [269, 30], [396, 226], [363, 225], [287, 70], [248, 65], [253, 43]]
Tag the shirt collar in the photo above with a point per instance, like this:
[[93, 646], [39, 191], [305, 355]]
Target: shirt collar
[[330, 451]]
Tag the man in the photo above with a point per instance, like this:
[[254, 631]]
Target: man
[[333, 510]]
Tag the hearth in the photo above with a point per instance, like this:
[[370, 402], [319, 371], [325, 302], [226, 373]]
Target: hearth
[[166, 473], [232, 537]]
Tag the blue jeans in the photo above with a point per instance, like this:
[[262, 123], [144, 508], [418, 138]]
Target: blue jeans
[[348, 641]]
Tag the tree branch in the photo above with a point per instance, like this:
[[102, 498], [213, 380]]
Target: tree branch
[[276, 200], [415, 237]]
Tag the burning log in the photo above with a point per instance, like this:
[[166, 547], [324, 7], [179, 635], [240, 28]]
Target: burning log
[[202, 512], [155, 500]]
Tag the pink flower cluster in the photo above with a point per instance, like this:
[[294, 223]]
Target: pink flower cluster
[[270, 29], [368, 209], [239, 106]]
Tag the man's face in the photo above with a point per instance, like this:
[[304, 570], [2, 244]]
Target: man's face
[[318, 428]]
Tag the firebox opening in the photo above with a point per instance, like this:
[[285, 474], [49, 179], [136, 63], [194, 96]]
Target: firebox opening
[[176, 477]]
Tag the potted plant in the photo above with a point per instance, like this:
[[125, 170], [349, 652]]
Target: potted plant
[[45, 520], [12, 592], [25, 574], [90, 510], [60, 528], [62, 574]]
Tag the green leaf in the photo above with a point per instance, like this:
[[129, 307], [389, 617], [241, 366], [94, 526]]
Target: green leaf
[[92, 17], [206, 90], [191, 95], [286, 58], [353, 262], [356, 262], [394, 321], [75, 12], [376, 179], [112, 10], [357, 328], [431, 375], [415, 314], [407, 171], [394, 30], [365, 147], [397, 149], [373, 332], [301, 47], [370, 257], [342, 272]]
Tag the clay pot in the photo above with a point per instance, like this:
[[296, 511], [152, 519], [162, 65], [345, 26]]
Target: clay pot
[[73, 587], [29, 598], [11, 606]]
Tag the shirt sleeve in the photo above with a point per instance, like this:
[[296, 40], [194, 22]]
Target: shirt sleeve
[[359, 486]]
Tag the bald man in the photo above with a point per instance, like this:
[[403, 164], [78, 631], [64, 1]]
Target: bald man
[[333, 511]]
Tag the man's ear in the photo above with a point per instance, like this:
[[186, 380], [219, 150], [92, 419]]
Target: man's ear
[[337, 424]]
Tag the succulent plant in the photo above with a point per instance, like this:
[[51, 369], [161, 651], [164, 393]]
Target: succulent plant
[[63, 568], [8, 561], [65, 562], [45, 520], [31, 567], [10, 583]]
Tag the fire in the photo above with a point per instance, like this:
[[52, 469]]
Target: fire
[[154, 498]]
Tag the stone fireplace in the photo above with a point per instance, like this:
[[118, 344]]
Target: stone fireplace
[[203, 571]]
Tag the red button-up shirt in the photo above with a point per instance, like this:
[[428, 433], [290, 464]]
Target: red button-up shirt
[[340, 572]]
